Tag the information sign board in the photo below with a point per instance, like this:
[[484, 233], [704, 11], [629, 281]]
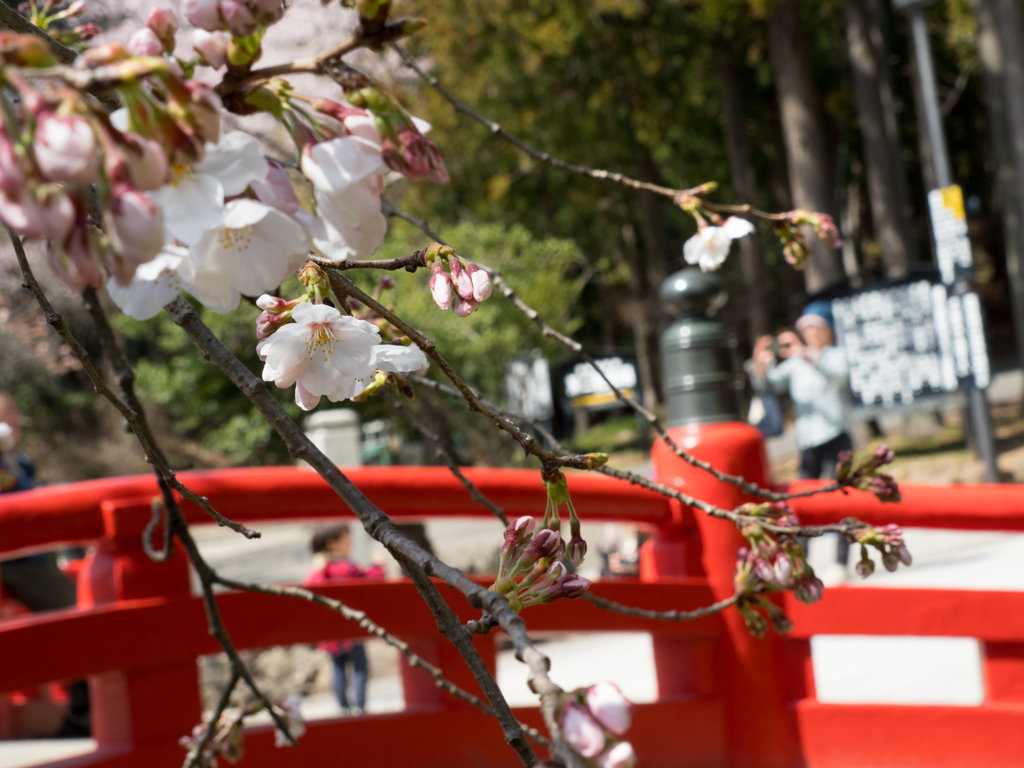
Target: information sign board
[[949, 225], [584, 388]]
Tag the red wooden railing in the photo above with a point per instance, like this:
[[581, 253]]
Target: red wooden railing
[[724, 699]]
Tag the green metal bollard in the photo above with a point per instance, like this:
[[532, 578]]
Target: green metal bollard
[[702, 383]]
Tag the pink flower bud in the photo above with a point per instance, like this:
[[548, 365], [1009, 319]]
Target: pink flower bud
[[576, 550], [461, 280], [37, 213], [238, 17], [440, 286], [163, 22], [414, 156], [581, 731], [203, 14], [145, 161], [545, 543], [463, 307], [573, 586], [481, 283], [65, 149], [212, 47], [904, 554], [519, 531], [268, 322], [783, 570], [609, 707], [76, 260], [144, 42], [135, 225], [276, 190], [619, 756]]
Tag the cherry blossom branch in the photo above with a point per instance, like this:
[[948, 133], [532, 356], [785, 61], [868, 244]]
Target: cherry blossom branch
[[643, 613], [409, 263], [547, 330], [194, 758], [679, 196], [153, 455], [342, 286], [374, 521], [449, 461]]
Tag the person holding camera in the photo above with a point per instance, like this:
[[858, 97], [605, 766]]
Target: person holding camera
[[813, 372]]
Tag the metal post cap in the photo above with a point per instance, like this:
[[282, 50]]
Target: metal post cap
[[690, 292]]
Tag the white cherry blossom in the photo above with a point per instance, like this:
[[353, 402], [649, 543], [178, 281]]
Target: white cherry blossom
[[326, 353], [255, 250], [193, 202], [347, 179], [709, 247], [154, 284]]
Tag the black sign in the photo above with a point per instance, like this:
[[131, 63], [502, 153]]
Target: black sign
[[909, 340], [583, 387]]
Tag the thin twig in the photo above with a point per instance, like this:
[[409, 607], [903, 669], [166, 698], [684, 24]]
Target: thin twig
[[643, 613], [498, 281], [443, 454], [153, 456], [194, 758], [13, 20], [409, 263]]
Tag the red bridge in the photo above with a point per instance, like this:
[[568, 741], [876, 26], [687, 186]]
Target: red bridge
[[724, 699]]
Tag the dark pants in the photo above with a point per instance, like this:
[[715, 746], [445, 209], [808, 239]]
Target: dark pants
[[819, 461], [360, 672]]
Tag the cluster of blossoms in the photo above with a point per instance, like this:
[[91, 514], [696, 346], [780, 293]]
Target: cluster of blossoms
[[888, 540], [866, 477], [322, 351], [187, 207], [709, 248], [472, 285], [794, 246], [228, 740], [592, 720], [531, 570]]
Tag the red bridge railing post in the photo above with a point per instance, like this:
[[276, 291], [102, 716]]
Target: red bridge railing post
[[760, 726], [137, 707]]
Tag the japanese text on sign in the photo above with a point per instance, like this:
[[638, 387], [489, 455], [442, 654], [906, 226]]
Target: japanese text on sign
[[949, 225]]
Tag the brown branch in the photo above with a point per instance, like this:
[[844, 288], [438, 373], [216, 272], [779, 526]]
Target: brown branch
[[153, 455], [442, 453], [13, 20], [409, 263], [374, 521], [342, 286]]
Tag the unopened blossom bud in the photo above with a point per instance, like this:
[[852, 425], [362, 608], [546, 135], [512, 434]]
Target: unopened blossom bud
[[882, 455], [238, 18], [386, 283], [461, 280], [609, 707], [825, 227], [276, 190], [463, 307], [164, 24], [211, 47], [203, 14], [844, 464], [904, 554], [481, 283], [78, 258], [314, 279], [890, 561], [783, 571], [412, 26], [544, 544], [65, 149], [144, 42], [135, 225], [756, 623], [440, 285], [25, 50], [576, 550], [781, 623], [620, 755], [581, 731], [573, 586], [275, 305], [519, 531], [796, 253], [144, 161], [437, 252], [865, 566], [810, 590], [763, 569]]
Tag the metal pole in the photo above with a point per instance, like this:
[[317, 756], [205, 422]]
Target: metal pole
[[977, 402]]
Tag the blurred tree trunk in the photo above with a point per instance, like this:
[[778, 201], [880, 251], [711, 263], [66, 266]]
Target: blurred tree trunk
[[881, 161], [1001, 52], [755, 275], [803, 134], [875, 17], [656, 269]]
